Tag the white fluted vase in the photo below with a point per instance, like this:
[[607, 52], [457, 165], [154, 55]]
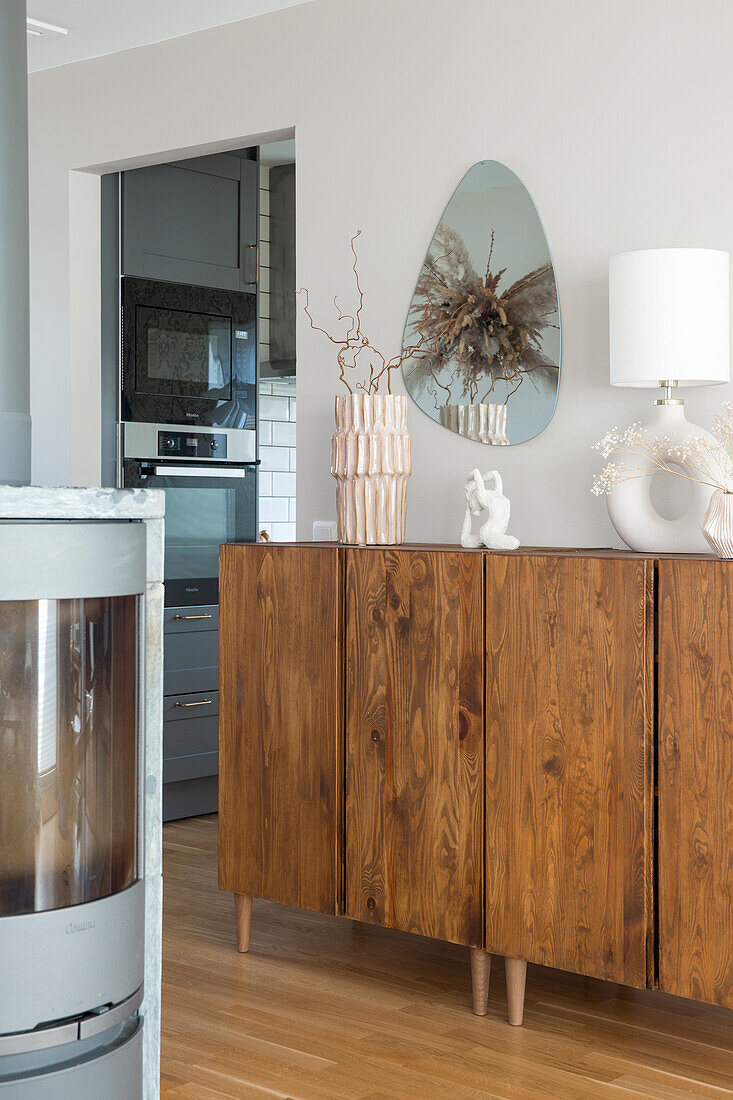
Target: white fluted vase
[[371, 461], [483, 421], [717, 523]]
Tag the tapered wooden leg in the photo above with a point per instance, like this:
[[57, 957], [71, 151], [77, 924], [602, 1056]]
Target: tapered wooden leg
[[243, 910], [480, 972], [516, 979]]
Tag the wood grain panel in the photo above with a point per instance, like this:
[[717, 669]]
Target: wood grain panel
[[696, 779], [569, 763], [280, 724], [414, 741]]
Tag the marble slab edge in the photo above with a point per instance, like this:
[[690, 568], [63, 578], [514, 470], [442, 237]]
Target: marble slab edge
[[42, 502]]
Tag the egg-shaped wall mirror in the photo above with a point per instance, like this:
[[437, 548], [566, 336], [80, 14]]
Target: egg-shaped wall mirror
[[484, 322]]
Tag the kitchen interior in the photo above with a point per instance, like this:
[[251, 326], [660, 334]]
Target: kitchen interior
[[198, 399]]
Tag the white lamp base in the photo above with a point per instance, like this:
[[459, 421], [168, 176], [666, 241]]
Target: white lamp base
[[630, 504]]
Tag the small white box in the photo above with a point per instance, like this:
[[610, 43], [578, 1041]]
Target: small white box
[[325, 530]]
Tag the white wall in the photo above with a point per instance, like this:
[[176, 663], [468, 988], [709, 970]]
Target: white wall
[[615, 115]]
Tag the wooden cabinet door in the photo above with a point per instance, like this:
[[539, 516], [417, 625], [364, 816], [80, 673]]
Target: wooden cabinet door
[[696, 779], [414, 741], [568, 762], [280, 755]]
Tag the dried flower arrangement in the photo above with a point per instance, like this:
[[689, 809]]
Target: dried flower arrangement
[[355, 345], [709, 458], [484, 334]]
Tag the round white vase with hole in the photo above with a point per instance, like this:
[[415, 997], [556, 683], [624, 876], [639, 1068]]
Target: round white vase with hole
[[717, 525], [630, 504], [371, 461]]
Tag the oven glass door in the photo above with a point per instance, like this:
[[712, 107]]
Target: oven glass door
[[183, 354], [204, 507]]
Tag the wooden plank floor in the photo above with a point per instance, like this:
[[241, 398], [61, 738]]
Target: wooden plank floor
[[328, 1009]]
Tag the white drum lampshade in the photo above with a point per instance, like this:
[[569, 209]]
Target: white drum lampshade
[[669, 326], [669, 317]]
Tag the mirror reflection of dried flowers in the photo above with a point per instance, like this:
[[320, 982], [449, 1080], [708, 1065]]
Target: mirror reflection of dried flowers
[[472, 328]]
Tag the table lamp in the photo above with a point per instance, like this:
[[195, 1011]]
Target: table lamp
[[669, 328]]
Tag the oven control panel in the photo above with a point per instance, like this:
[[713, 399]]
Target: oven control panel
[[173, 444]]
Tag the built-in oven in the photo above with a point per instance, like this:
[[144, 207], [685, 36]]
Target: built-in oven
[[210, 481], [209, 476], [189, 355]]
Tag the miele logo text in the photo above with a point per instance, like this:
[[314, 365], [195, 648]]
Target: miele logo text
[[84, 926]]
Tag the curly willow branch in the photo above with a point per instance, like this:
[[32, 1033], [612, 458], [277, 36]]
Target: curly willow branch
[[355, 341]]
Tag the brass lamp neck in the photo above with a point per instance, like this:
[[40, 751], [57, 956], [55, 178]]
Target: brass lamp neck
[[668, 385]]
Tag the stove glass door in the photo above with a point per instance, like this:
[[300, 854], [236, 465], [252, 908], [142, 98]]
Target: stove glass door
[[68, 742]]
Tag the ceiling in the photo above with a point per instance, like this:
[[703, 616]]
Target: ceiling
[[98, 27]]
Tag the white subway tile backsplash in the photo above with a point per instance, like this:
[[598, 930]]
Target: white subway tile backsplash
[[274, 458], [277, 504], [283, 434], [283, 485], [274, 508], [285, 387], [274, 408]]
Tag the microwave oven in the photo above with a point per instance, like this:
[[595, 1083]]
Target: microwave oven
[[189, 354]]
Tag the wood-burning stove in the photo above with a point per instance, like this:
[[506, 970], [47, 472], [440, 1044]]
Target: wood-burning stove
[[71, 894]]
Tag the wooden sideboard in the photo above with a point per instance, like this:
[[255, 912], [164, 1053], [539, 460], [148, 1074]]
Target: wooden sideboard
[[527, 753]]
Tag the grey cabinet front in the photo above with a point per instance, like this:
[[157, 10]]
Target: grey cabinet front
[[192, 222]]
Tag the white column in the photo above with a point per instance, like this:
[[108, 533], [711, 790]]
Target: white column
[[15, 421]]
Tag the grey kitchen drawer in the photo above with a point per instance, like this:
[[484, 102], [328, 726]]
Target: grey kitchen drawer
[[190, 705], [184, 620], [194, 766], [192, 736], [191, 662]]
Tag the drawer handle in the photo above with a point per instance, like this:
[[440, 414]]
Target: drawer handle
[[206, 615], [201, 703]]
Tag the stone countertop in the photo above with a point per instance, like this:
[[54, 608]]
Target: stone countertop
[[42, 502]]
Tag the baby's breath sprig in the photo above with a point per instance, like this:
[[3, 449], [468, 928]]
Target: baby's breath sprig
[[709, 459]]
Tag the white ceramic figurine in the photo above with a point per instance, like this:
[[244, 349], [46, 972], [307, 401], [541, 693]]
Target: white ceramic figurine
[[492, 533]]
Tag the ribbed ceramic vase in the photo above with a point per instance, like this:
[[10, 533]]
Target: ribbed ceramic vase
[[717, 524], [483, 421], [371, 461]]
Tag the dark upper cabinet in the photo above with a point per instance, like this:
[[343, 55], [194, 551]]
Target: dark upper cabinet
[[193, 221]]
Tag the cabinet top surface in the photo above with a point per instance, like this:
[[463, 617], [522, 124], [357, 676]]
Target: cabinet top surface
[[440, 547]]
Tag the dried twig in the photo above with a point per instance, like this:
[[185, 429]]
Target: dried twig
[[355, 343]]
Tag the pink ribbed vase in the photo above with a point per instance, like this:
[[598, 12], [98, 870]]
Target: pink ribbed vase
[[371, 461]]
